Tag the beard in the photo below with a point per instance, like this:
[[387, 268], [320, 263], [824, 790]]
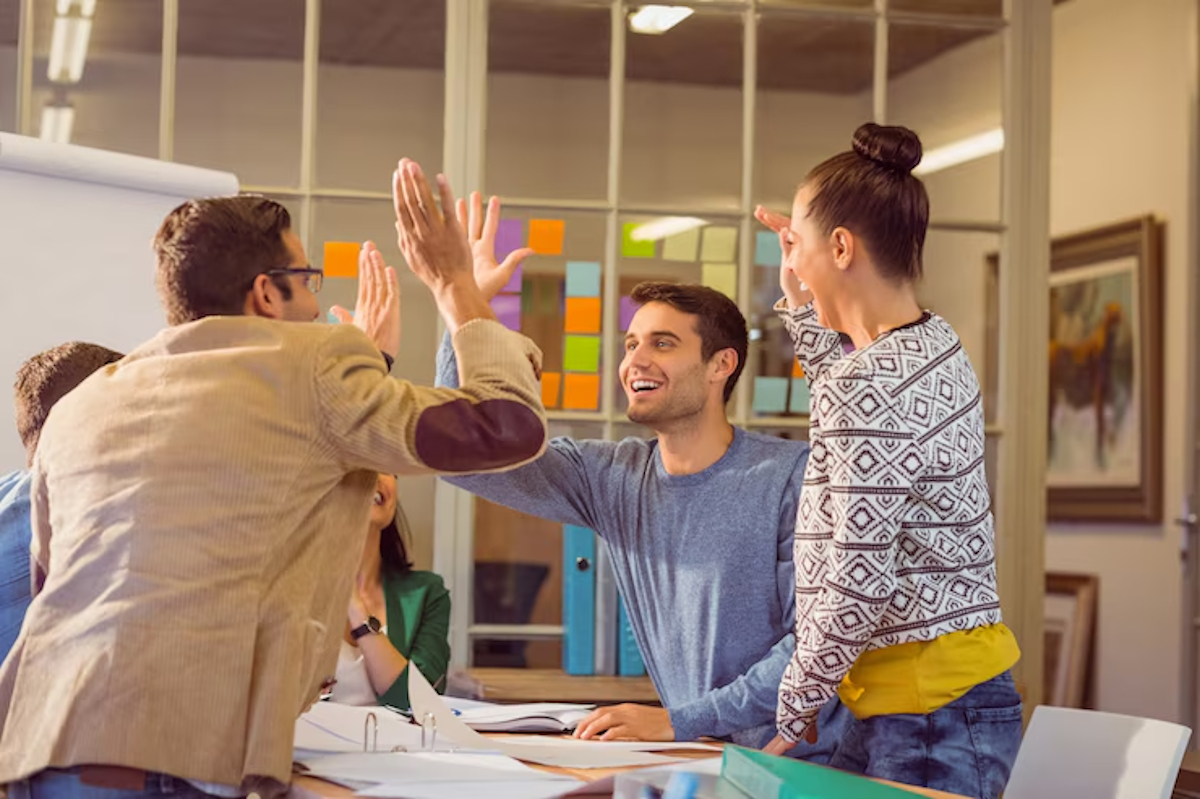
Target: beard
[[687, 401]]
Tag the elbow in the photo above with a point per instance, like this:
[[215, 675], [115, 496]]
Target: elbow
[[465, 436]]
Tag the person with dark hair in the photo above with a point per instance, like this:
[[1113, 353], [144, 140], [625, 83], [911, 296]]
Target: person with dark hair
[[199, 509], [698, 522], [41, 382], [398, 617], [896, 601]]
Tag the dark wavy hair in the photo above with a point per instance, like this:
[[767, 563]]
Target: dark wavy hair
[[393, 553]]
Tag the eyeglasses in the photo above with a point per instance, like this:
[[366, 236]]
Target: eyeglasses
[[313, 278]]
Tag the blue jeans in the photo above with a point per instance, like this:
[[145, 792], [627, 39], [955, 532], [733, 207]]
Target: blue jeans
[[966, 747], [65, 784]]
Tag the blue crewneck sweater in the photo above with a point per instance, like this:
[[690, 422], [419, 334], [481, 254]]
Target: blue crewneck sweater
[[703, 563]]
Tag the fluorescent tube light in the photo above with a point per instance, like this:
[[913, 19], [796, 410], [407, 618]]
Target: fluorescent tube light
[[68, 49], [961, 151], [665, 226], [657, 19], [57, 121], [86, 7]]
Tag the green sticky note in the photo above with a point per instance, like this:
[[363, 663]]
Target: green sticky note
[[634, 249], [800, 401], [582, 354], [770, 394]]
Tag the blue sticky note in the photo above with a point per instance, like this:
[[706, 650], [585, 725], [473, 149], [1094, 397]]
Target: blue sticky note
[[583, 279], [766, 249], [770, 394], [801, 401]]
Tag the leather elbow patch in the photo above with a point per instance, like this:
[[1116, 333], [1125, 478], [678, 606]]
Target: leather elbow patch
[[465, 436]]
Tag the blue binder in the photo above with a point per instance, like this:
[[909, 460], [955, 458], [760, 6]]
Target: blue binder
[[579, 600], [629, 657]]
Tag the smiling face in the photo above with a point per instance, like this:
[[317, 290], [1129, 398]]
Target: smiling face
[[664, 373], [811, 255], [383, 504]]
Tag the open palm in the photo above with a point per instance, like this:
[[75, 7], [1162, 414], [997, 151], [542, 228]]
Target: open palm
[[481, 229]]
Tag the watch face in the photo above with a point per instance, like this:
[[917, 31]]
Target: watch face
[[373, 624]]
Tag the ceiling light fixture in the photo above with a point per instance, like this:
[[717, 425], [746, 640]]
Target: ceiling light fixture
[[57, 122], [665, 226], [68, 49], [959, 152], [657, 19]]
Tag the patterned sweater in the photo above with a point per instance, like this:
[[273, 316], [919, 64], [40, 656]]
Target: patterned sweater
[[894, 538]]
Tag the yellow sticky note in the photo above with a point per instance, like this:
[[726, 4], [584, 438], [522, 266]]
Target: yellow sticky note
[[341, 258], [581, 392], [546, 236], [583, 315], [719, 244], [797, 369], [551, 382], [722, 277]]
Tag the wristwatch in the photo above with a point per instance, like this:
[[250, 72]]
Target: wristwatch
[[372, 626]]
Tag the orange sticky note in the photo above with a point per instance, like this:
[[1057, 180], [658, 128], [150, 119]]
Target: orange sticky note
[[546, 236], [797, 369], [551, 381], [581, 392], [583, 315], [341, 258]]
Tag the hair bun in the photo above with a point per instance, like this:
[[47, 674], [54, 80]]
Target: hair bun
[[892, 146]]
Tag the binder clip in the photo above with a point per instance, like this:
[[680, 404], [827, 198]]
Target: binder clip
[[428, 732]]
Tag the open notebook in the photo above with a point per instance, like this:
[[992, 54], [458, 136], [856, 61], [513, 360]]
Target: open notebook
[[553, 717]]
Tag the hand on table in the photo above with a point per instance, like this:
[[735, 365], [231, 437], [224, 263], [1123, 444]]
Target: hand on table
[[780, 745], [627, 721]]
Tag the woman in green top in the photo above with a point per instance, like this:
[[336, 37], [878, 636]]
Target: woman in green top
[[396, 616]]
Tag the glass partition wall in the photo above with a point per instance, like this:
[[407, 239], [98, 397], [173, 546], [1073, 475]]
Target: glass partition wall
[[621, 153]]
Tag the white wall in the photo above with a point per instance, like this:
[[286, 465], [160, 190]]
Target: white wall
[[1119, 149]]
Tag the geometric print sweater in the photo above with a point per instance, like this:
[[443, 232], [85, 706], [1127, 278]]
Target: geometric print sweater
[[894, 536]]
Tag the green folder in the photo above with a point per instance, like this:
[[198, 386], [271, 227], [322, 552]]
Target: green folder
[[766, 776]]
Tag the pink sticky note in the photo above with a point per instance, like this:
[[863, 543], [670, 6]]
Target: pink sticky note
[[507, 308], [513, 286], [628, 309], [508, 238]]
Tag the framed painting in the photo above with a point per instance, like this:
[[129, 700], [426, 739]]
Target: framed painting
[[1070, 622], [1104, 410]]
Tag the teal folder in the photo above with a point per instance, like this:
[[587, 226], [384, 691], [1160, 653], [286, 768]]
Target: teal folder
[[766, 776]]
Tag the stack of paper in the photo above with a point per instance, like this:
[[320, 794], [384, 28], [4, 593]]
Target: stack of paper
[[534, 717]]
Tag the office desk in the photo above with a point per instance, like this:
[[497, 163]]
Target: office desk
[[555, 685], [312, 788]]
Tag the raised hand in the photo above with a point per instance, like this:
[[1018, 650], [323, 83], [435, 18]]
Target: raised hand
[[796, 293], [481, 229], [433, 242], [377, 308]]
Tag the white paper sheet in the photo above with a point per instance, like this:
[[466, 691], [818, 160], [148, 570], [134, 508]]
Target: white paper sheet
[[628, 746], [527, 789], [565, 754], [422, 767]]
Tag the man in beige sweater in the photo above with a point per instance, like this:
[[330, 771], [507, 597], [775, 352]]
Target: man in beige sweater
[[200, 506]]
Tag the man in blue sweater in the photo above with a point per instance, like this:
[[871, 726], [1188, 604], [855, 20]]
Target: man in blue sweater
[[699, 523], [41, 381]]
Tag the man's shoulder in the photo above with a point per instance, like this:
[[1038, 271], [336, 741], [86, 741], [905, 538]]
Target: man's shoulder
[[763, 446]]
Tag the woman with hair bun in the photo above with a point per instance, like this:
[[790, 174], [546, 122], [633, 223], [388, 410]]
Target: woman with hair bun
[[897, 609]]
